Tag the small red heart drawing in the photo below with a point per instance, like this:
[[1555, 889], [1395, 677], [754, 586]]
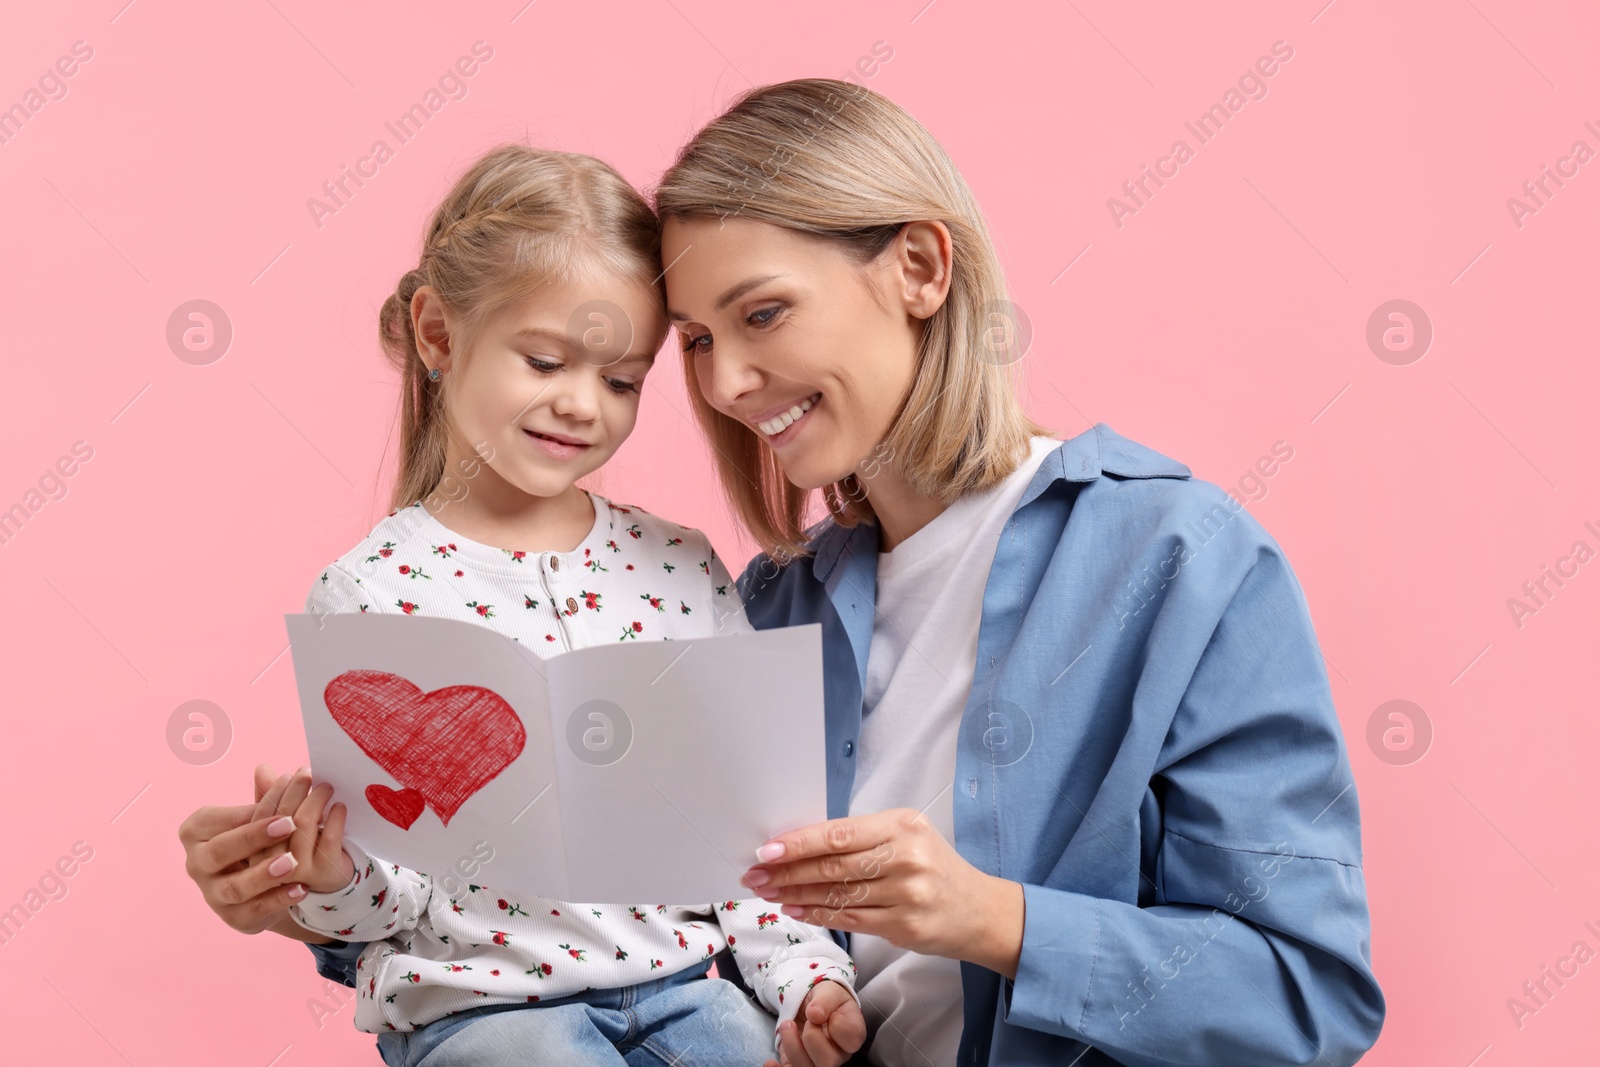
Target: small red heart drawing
[[445, 745], [400, 808]]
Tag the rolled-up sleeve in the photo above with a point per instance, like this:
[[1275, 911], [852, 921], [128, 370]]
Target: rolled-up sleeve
[[336, 960], [1254, 948]]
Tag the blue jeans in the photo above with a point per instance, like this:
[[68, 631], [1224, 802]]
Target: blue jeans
[[682, 1020]]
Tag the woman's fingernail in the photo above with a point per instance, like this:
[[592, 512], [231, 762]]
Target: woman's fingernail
[[303, 770], [280, 827], [282, 865], [794, 911], [770, 851], [756, 878], [297, 891]]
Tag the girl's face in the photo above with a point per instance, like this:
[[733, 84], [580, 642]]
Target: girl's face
[[550, 387], [791, 337]]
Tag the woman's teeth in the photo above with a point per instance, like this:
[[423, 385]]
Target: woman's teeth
[[779, 423]]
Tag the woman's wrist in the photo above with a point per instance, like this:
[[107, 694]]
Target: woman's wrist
[[996, 939]]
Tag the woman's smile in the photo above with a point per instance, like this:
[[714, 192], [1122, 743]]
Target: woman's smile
[[781, 428]]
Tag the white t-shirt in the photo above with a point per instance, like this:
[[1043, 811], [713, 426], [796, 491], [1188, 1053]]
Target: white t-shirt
[[919, 675]]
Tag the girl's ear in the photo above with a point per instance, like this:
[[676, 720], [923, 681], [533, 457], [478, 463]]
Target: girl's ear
[[430, 325], [924, 256]]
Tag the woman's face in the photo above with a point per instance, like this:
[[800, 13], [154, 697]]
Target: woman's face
[[810, 350]]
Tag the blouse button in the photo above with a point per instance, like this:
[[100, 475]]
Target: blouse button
[[555, 563], [572, 605]]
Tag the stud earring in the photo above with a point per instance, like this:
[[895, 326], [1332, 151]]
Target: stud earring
[[435, 374]]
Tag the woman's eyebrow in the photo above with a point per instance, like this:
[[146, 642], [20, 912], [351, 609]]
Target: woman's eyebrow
[[730, 296]]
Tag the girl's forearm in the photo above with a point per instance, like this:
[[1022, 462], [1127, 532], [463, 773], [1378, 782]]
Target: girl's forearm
[[286, 926]]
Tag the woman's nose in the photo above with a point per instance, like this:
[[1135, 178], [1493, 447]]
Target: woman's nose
[[730, 376]]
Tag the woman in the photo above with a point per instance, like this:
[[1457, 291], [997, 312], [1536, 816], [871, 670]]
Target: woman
[[1089, 801]]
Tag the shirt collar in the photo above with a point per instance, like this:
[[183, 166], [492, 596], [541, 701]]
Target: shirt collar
[[611, 510], [1096, 451]]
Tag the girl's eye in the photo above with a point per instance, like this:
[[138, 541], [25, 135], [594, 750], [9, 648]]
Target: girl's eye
[[616, 385]]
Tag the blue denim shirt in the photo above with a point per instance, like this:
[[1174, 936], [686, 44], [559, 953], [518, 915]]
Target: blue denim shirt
[[1150, 748]]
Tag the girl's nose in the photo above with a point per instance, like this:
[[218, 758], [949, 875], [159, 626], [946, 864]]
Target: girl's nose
[[575, 396]]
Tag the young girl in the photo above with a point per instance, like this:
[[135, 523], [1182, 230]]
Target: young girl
[[523, 338]]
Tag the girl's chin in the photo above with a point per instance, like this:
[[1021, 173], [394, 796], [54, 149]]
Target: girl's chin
[[549, 484]]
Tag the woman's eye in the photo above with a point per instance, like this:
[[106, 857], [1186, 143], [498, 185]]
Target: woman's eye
[[543, 366], [692, 344], [763, 316]]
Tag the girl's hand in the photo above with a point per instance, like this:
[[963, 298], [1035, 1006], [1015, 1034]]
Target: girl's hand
[[218, 843], [315, 849], [828, 1027], [892, 875]]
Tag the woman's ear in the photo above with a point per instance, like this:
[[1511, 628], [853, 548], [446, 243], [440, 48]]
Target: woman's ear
[[924, 260], [430, 325]]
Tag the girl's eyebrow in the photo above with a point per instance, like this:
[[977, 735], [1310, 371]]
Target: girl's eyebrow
[[539, 333]]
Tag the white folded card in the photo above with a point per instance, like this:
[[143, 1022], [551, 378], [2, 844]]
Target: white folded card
[[635, 772]]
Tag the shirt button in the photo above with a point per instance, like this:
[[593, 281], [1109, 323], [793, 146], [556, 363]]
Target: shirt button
[[849, 747], [572, 605], [555, 563]]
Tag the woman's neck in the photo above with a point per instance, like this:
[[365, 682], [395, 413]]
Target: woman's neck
[[901, 510]]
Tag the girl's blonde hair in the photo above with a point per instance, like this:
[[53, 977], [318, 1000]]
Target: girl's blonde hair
[[517, 218], [841, 162]]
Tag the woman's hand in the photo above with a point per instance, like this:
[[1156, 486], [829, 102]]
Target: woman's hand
[[218, 843], [828, 1027], [892, 875], [316, 847]]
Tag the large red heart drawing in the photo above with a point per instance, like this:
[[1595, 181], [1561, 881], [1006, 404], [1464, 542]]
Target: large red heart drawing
[[446, 745]]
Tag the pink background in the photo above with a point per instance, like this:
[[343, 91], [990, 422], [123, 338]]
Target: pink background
[[1227, 314]]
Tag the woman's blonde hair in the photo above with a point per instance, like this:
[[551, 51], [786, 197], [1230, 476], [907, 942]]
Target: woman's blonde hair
[[517, 218], [838, 161]]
